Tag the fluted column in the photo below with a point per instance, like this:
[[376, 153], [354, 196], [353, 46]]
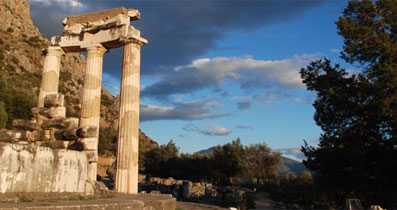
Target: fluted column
[[50, 77], [91, 103], [128, 138]]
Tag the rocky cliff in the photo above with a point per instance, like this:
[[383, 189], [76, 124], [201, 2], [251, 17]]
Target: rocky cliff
[[22, 57]]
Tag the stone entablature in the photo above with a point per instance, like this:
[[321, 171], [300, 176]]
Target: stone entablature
[[110, 28]]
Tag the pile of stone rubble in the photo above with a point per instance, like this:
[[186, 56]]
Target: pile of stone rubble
[[50, 128]]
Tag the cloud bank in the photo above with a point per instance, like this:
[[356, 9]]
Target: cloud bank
[[192, 110], [213, 130], [178, 31], [248, 72]]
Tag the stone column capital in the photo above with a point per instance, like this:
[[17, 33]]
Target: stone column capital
[[54, 51], [97, 48], [138, 42]]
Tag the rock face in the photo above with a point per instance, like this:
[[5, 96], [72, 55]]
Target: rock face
[[15, 14]]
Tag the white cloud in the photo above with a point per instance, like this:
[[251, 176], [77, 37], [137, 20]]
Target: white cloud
[[294, 153], [246, 71], [244, 127], [335, 50], [219, 131], [210, 130], [192, 110], [75, 4]]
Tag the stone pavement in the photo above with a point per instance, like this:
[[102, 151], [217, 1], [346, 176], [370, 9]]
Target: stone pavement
[[118, 201], [198, 206]]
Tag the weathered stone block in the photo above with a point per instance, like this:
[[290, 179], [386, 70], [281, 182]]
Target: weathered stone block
[[51, 112], [40, 135], [25, 124], [66, 134], [5, 135], [14, 135], [53, 144], [87, 131], [54, 100], [26, 168], [92, 156], [78, 146], [61, 123]]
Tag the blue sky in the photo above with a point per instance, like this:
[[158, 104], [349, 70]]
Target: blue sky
[[216, 70]]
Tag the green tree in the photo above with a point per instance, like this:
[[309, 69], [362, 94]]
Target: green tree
[[357, 154], [160, 161], [228, 161], [262, 163]]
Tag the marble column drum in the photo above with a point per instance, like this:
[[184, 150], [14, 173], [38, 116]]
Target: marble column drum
[[128, 138], [91, 103], [50, 75]]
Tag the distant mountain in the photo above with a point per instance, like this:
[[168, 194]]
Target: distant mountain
[[288, 165], [206, 151]]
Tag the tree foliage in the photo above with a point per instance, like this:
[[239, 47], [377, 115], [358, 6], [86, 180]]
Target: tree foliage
[[232, 160], [263, 163], [17, 100], [357, 153], [229, 161]]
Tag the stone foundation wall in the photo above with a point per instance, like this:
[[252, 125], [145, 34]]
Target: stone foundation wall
[[28, 168]]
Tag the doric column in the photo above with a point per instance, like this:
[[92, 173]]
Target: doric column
[[128, 138], [50, 78], [91, 103]]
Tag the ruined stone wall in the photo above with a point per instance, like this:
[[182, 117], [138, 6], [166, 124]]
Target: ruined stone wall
[[27, 168], [45, 154]]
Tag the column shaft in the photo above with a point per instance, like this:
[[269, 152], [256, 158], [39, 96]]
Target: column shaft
[[50, 77], [128, 138], [91, 103]]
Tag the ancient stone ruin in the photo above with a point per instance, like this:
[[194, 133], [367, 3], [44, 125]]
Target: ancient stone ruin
[[54, 153]]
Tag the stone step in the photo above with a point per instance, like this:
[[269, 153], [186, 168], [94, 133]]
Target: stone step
[[118, 201]]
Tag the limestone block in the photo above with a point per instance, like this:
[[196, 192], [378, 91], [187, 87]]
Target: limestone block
[[92, 156], [77, 146], [66, 134], [69, 122], [96, 188], [25, 125], [5, 135], [95, 21], [52, 112], [14, 135], [40, 135], [27, 168], [54, 100], [87, 131], [53, 144], [40, 119]]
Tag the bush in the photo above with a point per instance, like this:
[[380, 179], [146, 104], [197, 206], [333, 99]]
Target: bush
[[3, 115]]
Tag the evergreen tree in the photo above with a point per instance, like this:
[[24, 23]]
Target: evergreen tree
[[357, 152]]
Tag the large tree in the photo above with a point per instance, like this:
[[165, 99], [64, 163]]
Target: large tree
[[228, 161], [357, 152], [262, 163]]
